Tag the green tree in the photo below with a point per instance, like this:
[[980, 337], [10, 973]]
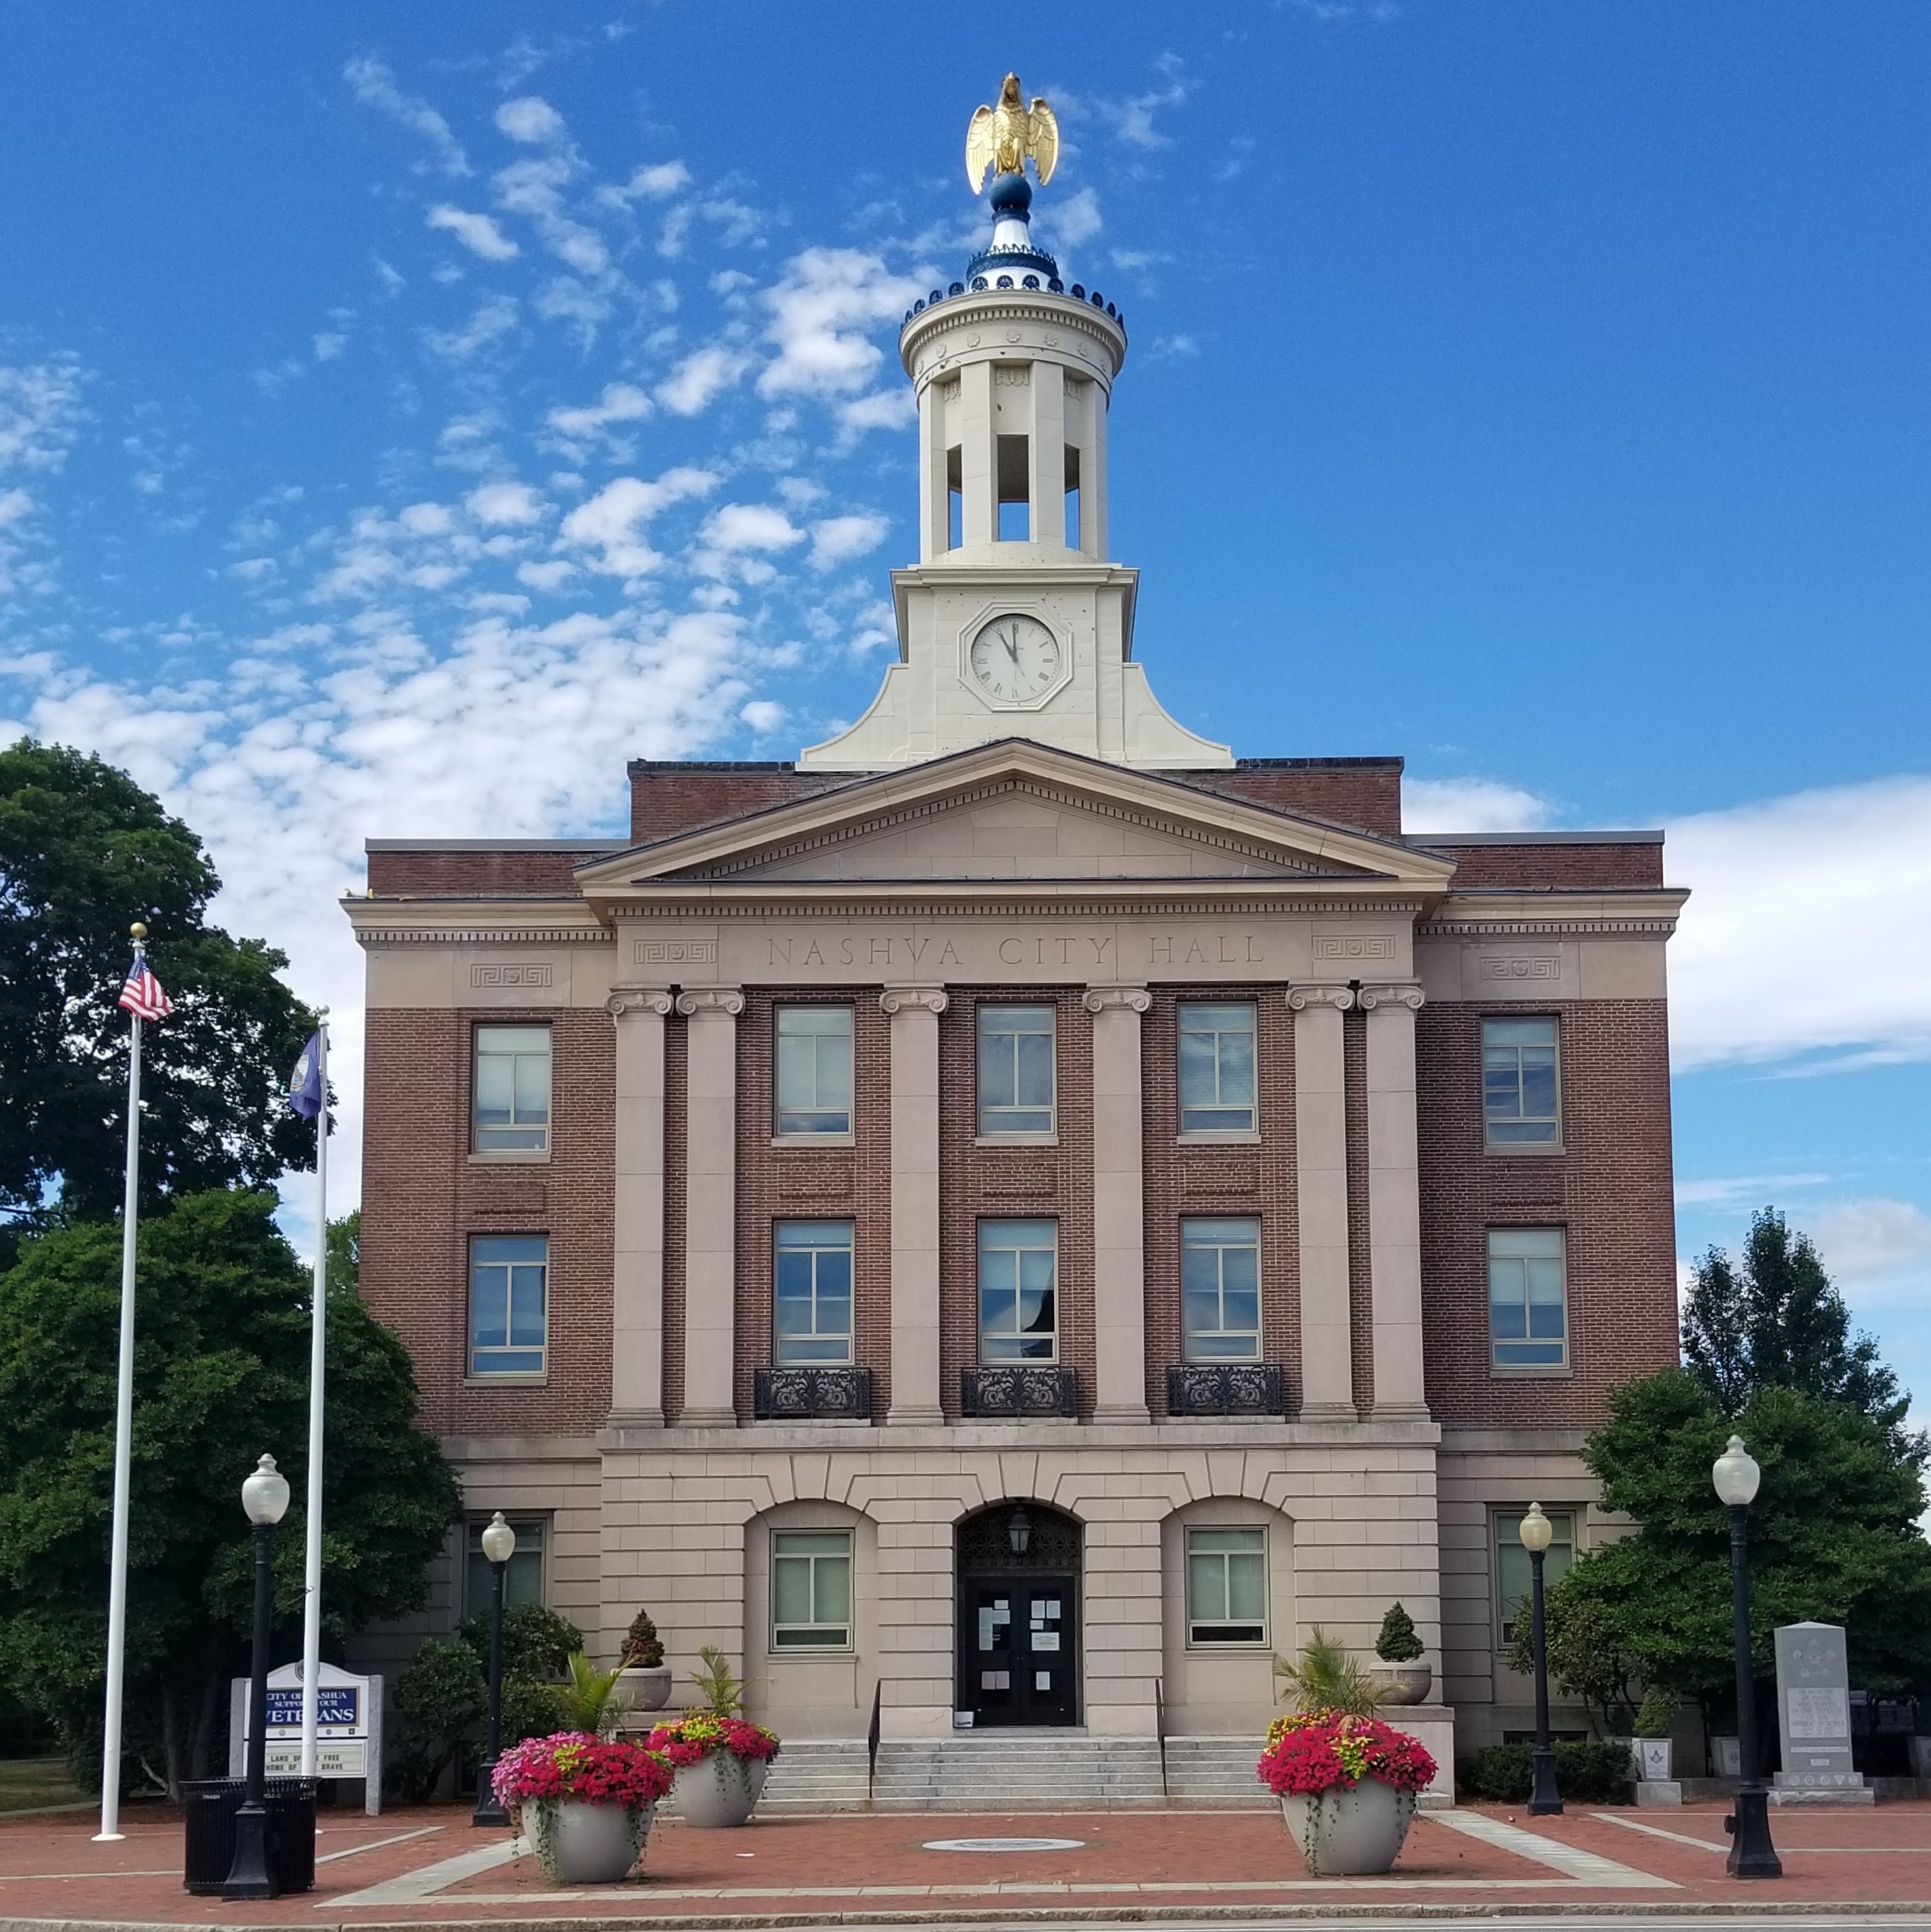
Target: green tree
[[1834, 1538], [84, 851], [1777, 1322], [221, 1375]]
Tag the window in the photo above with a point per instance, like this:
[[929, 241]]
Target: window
[[1019, 1263], [1015, 1092], [1015, 488], [522, 1575], [511, 1093], [813, 1274], [1220, 1289], [508, 1297], [1512, 1582], [1528, 1317], [813, 1052], [1217, 1094], [811, 1589], [1226, 1586], [1519, 1089]]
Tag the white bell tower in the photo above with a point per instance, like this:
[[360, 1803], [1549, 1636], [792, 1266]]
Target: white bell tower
[[1013, 622]]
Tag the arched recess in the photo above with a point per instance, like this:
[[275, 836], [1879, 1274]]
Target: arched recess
[[1019, 1568], [1218, 1671], [806, 1682]]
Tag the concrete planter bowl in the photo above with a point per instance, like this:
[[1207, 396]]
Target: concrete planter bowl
[[641, 1689], [1401, 1683], [586, 1844], [1356, 1834], [719, 1791]]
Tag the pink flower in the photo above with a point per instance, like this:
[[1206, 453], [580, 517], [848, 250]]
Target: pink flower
[[1318, 1752], [690, 1739], [575, 1764]]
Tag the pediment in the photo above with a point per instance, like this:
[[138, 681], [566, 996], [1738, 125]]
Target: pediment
[[1014, 811]]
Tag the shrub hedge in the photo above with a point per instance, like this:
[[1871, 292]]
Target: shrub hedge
[[1588, 1773]]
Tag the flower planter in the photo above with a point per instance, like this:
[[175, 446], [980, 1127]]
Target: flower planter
[[719, 1791], [578, 1843], [1401, 1683], [1655, 1757], [1354, 1834], [641, 1689]]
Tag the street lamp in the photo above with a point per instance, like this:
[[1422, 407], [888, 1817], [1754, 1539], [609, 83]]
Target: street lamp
[[1019, 1531], [1546, 1800], [1752, 1855], [264, 1497], [499, 1545]]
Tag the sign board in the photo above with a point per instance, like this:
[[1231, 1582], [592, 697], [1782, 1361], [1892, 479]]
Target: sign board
[[348, 1729]]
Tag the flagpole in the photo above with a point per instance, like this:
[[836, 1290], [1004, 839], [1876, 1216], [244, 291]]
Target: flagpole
[[124, 1441], [311, 1588]]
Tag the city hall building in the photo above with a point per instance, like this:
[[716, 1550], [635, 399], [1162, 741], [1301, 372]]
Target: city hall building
[[1014, 1218]]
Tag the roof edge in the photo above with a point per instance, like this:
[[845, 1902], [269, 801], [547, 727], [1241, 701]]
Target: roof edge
[[1621, 837], [494, 844]]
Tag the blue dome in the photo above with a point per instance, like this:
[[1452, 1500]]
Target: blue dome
[[1010, 195]]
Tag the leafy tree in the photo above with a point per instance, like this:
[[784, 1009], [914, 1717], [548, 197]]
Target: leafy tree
[[537, 1643], [1834, 1538], [84, 851], [1777, 1322], [220, 1374], [1588, 1657]]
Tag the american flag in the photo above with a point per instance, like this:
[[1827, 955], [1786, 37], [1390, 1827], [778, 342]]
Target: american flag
[[142, 996]]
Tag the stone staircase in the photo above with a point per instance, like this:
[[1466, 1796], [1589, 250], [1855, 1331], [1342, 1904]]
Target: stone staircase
[[1218, 1771], [1018, 1771], [817, 1774]]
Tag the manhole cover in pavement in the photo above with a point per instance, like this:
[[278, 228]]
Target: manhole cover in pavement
[[1005, 1845]]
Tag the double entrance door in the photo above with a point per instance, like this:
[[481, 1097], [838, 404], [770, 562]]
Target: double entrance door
[[1019, 1640]]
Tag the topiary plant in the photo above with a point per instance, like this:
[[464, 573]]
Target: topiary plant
[[1397, 1642], [643, 1648], [1657, 1718]]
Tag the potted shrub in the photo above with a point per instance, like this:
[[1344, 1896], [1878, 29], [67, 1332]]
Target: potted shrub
[[585, 1803], [1407, 1682], [720, 1760], [1347, 1786], [1653, 1748], [644, 1679]]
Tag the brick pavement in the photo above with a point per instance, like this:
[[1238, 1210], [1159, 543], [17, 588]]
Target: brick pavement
[[429, 1866]]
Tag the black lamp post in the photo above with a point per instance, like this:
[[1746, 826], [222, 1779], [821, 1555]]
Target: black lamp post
[[1752, 1855], [499, 1545], [265, 1497], [1545, 1799]]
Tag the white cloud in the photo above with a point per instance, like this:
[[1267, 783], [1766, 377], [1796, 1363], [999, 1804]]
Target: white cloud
[[1809, 919], [40, 413], [1468, 804], [375, 87], [611, 524], [1874, 1240], [505, 503], [492, 321], [328, 347], [699, 379], [762, 715], [531, 120], [838, 539], [654, 183], [895, 408], [479, 233], [1070, 220], [821, 308], [750, 526], [534, 188], [585, 422], [1733, 1190]]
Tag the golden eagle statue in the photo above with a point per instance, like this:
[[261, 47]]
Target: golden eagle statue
[[1001, 137]]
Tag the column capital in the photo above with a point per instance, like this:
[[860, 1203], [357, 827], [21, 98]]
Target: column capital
[[1098, 999], [638, 1000], [1402, 993], [914, 999], [711, 999], [1306, 993]]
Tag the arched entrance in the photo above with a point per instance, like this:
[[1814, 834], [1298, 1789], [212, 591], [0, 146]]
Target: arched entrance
[[1018, 1565]]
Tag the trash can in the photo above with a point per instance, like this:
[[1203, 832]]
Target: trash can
[[209, 1851]]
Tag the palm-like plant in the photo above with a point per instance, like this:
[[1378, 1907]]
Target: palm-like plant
[[1325, 1679], [723, 1694], [586, 1698]]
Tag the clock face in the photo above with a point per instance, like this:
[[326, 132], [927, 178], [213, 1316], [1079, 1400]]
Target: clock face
[[1015, 659]]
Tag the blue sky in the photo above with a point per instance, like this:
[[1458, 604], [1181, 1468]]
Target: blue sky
[[407, 414]]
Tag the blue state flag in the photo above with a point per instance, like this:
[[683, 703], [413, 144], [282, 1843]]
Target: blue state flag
[[304, 1084]]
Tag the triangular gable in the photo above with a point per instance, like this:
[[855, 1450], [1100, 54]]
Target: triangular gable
[[1014, 809]]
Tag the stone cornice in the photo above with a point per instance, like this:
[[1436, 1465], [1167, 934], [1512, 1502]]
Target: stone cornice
[[1135, 998], [1306, 993], [914, 999], [1030, 898], [1506, 915]]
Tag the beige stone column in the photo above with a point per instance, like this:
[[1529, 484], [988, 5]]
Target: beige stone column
[[637, 1282], [710, 1204], [914, 1011], [1395, 1198], [1320, 1167], [1119, 1212]]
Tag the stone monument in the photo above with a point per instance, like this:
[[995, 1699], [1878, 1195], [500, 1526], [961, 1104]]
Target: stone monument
[[1813, 1708]]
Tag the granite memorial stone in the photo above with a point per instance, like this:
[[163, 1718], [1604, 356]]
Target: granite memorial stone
[[1813, 1706]]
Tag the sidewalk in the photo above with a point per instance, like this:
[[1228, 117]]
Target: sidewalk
[[430, 1866]]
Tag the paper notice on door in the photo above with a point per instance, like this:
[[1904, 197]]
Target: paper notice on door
[[1045, 1639], [1042, 1680], [995, 1680], [1052, 1610], [988, 1623]]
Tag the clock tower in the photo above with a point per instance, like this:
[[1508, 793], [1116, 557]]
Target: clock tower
[[1015, 621]]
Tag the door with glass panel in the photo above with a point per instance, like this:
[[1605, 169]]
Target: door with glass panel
[[1019, 1616]]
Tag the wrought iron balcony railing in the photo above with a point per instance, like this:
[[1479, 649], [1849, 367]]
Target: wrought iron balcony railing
[[811, 1394], [1225, 1388], [1019, 1389]]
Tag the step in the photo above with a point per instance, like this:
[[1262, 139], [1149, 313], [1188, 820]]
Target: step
[[811, 1775], [1034, 1770], [1215, 1770]]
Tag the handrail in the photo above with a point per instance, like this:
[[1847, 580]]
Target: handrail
[[871, 1742]]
